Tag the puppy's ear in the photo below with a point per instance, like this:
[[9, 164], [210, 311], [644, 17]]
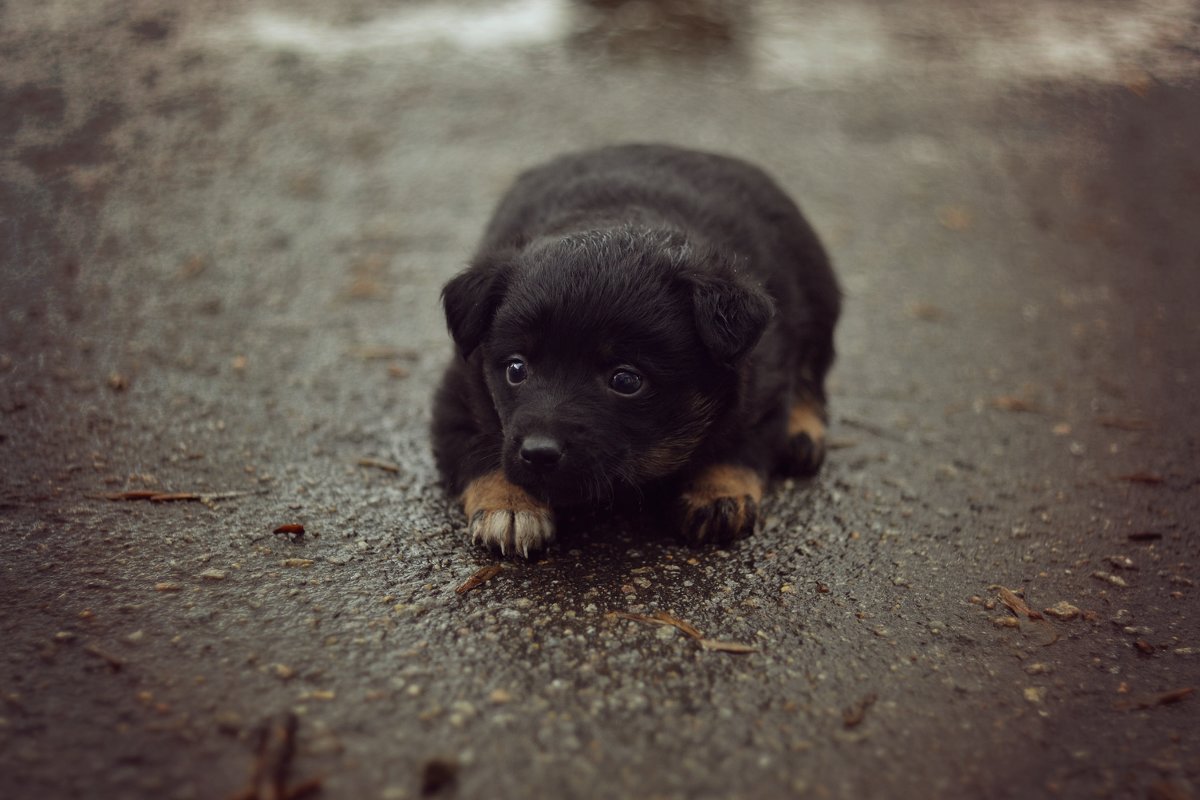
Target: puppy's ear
[[471, 299], [731, 314]]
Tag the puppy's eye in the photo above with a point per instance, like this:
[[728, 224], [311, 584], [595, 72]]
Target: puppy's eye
[[625, 381], [516, 371]]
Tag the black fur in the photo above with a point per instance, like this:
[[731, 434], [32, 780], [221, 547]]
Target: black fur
[[695, 270]]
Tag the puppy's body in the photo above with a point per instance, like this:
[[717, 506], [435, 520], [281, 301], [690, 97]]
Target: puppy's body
[[635, 316]]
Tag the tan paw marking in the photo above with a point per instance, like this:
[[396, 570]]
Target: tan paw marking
[[721, 504], [501, 514], [806, 436]]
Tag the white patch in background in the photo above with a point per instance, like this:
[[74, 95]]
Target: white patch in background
[[473, 28], [839, 43], [829, 43]]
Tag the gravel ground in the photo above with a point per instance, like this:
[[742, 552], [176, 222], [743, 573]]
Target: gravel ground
[[223, 229]]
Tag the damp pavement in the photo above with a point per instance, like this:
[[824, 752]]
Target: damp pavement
[[223, 229]]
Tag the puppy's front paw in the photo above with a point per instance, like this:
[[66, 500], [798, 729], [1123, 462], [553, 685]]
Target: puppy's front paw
[[503, 515], [721, 504]]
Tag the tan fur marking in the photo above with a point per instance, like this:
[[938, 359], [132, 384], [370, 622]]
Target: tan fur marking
[[493, 492], [724, 480], [807, 416]]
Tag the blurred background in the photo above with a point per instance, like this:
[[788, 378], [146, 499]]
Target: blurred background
[[223, 231]]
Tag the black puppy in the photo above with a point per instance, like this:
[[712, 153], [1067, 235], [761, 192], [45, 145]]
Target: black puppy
[[637, 316]]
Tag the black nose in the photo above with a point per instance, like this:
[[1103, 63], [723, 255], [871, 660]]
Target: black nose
[[541, 451]]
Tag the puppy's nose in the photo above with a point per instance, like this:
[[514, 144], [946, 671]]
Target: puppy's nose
[[541, 452]]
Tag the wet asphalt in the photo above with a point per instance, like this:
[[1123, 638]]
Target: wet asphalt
[[223, 230]]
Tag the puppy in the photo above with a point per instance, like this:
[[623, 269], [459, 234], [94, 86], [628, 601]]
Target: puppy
[[636, 317]]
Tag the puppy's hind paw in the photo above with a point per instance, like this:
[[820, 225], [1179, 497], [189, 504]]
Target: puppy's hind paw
[[805, 449], [721, 505], [504, 516]]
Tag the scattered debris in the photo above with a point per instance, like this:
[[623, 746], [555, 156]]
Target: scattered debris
[[1123, 423], [114, 662], [1013, 403], [117, 382], [379, 463], [1062, 610], [1121, 562], [275, 748], [855, 714], [213, 575], [154, 496], [294, 530], [1154, 700], [926, 312], [480, 577], [167, 586], [1015, 603], [954, 218], [1035, 694], [1143, 476], [1144, 536], [1144, 647], [663, 618], [384, 353], [726, 647], [1108, 577], [300, 563], [1006, 622]]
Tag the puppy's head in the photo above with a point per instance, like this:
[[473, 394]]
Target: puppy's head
[[607, 354]]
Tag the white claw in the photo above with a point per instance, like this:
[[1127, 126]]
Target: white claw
[[523, 531]]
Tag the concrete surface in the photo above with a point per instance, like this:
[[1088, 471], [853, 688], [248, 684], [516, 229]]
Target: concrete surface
[[223, 229]]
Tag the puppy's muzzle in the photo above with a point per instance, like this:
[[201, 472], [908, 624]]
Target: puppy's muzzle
[[540, 452]]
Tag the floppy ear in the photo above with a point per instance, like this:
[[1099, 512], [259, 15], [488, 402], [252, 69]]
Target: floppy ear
[[731, 314], [471, 299]]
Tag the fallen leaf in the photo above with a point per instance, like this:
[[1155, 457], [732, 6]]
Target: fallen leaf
[[1153, 700], [382, 352], [114, 663], [1123, 423], [174, 497], [155, 496], [1143, 476], [1016, 604], [1013, 403], [379, 463], [727, 647], [137, 494], [480, 577], [687, 628], [855, 714]]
